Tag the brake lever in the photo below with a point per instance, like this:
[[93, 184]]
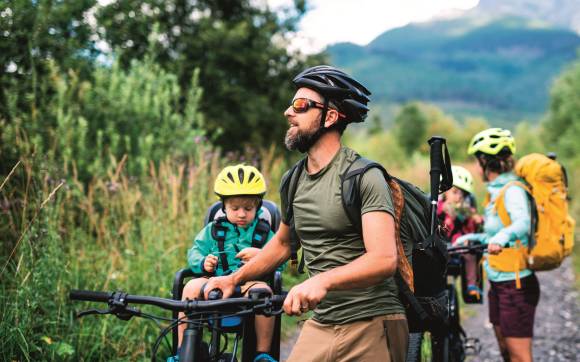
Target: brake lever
[[92, 311], [267, 309], [125, 313], [117, 306]]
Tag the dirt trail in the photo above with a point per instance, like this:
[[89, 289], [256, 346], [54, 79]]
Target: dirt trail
[[557, 325]]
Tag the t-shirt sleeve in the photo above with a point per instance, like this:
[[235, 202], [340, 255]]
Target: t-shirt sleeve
[[375, 193]]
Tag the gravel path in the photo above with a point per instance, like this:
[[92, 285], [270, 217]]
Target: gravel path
[[557, 324]]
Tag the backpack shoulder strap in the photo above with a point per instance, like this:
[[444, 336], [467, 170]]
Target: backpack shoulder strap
[[500, 201], [287, 192], [350, 189], [218, 233], [261, 232], [288, 188], [351, 181]]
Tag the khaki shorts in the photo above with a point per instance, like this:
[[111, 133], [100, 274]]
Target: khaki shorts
[[382, 338]]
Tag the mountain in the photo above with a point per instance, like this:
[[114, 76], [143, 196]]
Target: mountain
[[563, 13], [500, 68]]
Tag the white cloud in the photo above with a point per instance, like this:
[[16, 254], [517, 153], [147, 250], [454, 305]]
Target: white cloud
[[360, 21]]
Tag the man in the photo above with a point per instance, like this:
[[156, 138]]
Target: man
[[357, 313]]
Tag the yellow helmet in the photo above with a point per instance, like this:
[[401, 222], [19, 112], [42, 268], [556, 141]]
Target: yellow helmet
[[239, 180], [492, 141], [462, 178]]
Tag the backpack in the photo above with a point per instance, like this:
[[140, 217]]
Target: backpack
[[421, 271], [552, 234]]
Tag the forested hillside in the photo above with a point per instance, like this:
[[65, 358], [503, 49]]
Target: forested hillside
[[497, 68]]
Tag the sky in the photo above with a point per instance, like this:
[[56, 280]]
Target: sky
[[360, 21]]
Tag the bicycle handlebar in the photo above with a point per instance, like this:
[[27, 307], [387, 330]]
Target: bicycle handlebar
[[463, 249], [178, 305]]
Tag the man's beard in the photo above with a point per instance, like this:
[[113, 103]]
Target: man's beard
[[302, 140]]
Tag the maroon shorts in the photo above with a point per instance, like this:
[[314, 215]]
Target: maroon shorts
[[512, 309]]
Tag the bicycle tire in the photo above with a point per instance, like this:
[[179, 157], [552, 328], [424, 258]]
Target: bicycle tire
[[454, 340]]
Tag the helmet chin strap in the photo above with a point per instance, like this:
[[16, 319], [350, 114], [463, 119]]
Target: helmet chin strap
[[319, 132]]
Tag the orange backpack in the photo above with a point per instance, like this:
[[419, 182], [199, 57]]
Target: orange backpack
[[553, 239]]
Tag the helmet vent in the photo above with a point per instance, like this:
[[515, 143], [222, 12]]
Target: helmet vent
[[231, 177], [251, 177], [241, 175]]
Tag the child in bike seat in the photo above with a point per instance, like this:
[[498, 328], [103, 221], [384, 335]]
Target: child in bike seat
[[225, 243], [458, 215]]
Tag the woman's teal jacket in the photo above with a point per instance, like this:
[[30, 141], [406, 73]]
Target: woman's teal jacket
[[518, 208]]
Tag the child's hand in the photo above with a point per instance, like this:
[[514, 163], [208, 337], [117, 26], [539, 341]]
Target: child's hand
[[248, 253], [210, 263]]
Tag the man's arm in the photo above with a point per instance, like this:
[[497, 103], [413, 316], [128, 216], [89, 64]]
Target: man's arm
[[274, 253], [376, 264]]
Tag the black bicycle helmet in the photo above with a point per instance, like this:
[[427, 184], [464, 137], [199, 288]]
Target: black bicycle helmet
[[345, 92]]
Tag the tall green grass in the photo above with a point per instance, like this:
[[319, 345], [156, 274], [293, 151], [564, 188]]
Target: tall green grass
[[113, 233]]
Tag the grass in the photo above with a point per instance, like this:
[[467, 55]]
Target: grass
[[113, 233]]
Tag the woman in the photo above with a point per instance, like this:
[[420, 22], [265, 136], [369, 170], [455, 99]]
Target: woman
[[514, 291]]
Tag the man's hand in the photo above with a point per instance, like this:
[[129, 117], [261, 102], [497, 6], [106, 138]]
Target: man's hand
[[305, 296], [248, 253], [494, 248], [210, 263], [225, 283]]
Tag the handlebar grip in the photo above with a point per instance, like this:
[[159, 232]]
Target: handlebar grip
[[90, 296], [436, 152], [436, 164], [215, 294]]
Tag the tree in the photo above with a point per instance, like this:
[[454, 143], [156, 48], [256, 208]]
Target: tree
[[34, 33], [240, 49], [562, 124], [410, 127], [376, 125]]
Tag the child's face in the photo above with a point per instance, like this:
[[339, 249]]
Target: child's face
[[241, 210], [454, 195]]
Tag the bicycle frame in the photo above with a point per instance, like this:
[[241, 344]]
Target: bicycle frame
[[443, 344]]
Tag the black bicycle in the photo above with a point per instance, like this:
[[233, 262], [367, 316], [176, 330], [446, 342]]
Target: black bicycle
[[198, 316], [452, 344]]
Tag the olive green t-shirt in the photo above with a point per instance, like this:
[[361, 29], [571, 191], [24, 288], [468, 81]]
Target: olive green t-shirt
[[329, 240]]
